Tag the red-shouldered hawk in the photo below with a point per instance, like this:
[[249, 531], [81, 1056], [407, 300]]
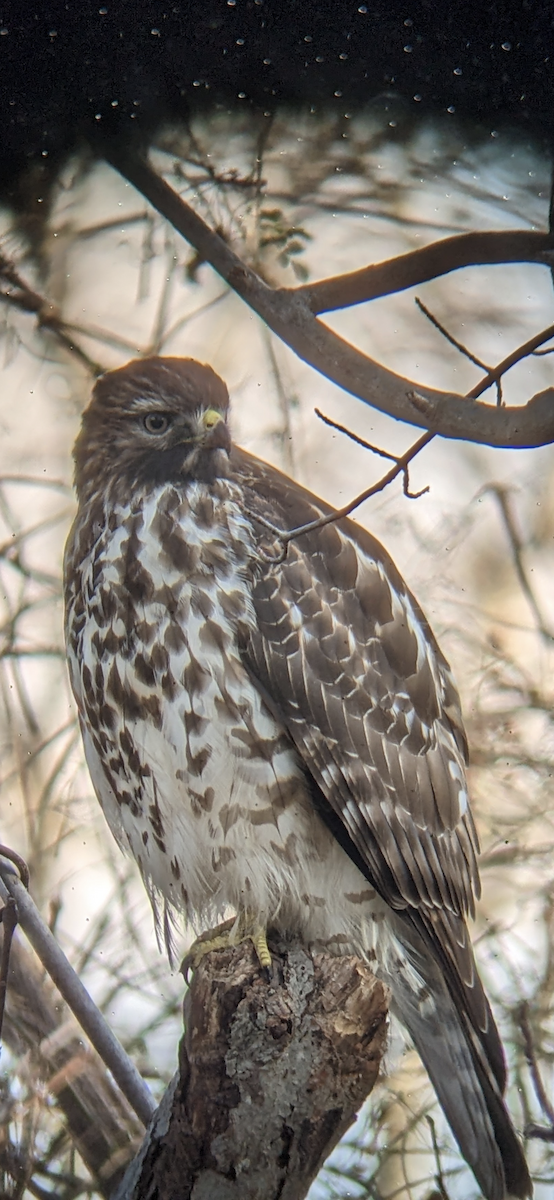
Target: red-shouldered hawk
[[277, 735]]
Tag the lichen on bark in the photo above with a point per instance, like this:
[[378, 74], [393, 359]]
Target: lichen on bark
[[271, 1074]]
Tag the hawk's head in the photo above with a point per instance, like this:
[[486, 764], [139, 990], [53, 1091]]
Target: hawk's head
[[156, 420]]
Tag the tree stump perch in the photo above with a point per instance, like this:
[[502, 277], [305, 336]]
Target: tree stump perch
[[271, 1074]]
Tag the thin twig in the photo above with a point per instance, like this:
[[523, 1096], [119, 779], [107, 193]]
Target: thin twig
[[449, 337], [458, 345], [285, 432], [540, 1091], [439, 1178], [354, 437], [375, 450], [26, 298], [503, 495], [399, 468], [510, 361]]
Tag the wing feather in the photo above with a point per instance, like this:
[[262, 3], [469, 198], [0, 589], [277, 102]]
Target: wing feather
[[367, 697]]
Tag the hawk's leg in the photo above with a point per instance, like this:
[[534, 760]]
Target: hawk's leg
[[229, 933]]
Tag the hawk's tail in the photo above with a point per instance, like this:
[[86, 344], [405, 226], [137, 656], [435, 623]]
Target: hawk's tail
[[464, 1063]]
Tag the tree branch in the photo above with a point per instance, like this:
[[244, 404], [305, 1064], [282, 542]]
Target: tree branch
[[270, 1077], [287, 312], [76, 996], [99, 1120], [20, 295], [477, 249]]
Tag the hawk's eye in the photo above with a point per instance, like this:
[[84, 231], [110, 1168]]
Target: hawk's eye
[[156, 422]]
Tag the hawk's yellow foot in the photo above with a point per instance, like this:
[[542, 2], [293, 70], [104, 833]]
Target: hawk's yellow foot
[[259, 940], [218, 938], [229, 933]]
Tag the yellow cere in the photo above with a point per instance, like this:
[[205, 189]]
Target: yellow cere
[[211, 418]]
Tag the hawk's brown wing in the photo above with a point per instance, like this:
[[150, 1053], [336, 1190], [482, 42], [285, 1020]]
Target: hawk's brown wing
[[349, 659]]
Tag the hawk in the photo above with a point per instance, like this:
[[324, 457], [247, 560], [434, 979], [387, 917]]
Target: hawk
[[277, 733]]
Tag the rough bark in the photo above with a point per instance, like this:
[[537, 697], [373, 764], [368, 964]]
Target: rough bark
[[271, 1074]]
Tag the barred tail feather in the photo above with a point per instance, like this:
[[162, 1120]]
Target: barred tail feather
[[463, 1078]]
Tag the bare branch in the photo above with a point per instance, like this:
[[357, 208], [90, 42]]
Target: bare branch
[[400, 467], [441, 1192], [502, 495], [458, 345], [354, 437], [526, 348], [288, 314], [540, 1090], [449, 337], [76, 995], [8, 919], [100, 1122], [20, 295], [419, 266]]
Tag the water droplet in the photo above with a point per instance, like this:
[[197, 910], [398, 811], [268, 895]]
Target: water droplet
[[417, 96], [240, 42], [457, 70], [506, 45], [408, 23], [343, 57], [337, 93], [242, 95], [308, 38], [494, 132], [408, 49], [267, 62], [451, 108], [362, 8]]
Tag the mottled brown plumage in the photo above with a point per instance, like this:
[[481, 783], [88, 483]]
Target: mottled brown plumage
[[278, 737]]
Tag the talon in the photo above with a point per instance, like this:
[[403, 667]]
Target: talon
[[259, 941], [212, 939], [229, 933]]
